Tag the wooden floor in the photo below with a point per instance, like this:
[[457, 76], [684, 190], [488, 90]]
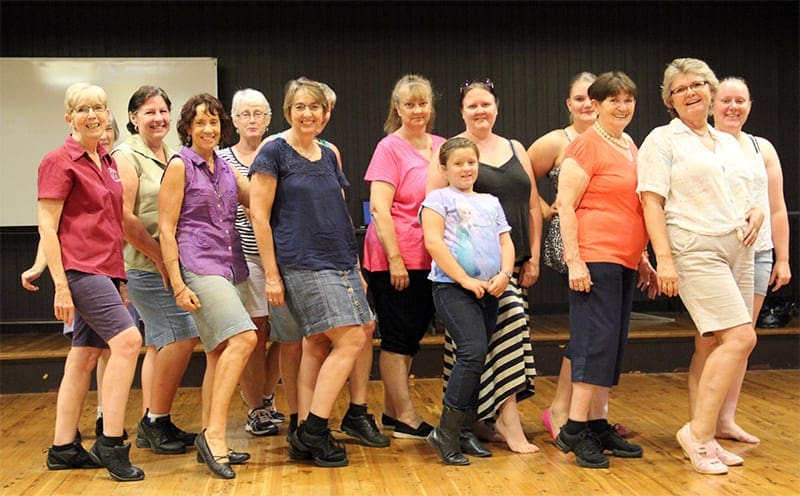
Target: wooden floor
[[652, 405]]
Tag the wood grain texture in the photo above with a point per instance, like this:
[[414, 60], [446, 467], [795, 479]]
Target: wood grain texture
[[654, 406]]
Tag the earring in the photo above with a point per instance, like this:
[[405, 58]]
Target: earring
[[136, 127]]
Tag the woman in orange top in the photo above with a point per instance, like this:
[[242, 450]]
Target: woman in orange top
[[597, 195]]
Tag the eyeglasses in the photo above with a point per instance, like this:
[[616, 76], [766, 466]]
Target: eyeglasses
[[84, 110], [257, 115], [301, 107], [695, 87], [470, 83]]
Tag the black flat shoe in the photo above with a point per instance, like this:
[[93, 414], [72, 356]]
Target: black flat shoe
[[234, 457], [222, 470]]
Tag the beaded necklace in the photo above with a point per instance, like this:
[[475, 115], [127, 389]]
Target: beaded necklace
[[620, 142]]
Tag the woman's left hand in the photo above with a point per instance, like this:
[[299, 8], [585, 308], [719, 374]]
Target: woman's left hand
[[528, 274], [755, 217]]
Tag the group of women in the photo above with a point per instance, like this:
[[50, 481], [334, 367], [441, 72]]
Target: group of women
[[699, 194]]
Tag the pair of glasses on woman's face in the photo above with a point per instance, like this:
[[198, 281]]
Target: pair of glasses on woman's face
[[470, 83], [257, 115], [695, 87], [84, 110]]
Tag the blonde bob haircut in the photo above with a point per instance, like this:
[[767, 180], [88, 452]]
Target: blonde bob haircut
[[686, 65], [418, 88], [78, 92], [313, 89]]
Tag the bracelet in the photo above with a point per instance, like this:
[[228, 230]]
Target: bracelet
[[272, 283], [507, 274], [181, 291]]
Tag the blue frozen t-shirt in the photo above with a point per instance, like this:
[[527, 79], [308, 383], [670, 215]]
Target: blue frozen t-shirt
[[473, 223]]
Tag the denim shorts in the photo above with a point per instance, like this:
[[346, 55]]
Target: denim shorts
[[164, 321], [99, 312], [322, 300], [256, 300], [221, 314], [283, 327], [762, 271]]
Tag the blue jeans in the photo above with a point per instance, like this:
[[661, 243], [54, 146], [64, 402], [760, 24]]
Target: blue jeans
[[470, 322]]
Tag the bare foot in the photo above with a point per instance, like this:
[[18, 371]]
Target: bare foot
[[486, 432], [514, 436], [736, 433]]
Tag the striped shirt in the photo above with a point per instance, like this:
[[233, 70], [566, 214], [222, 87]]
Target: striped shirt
[[243, 225]]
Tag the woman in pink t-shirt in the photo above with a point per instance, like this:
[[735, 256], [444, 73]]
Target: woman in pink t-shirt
[[395, 258]]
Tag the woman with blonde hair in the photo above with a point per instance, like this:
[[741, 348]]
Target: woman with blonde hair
[[395, 260]]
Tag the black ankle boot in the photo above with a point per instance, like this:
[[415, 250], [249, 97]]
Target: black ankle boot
[[468, 440], [444, 438], [115, 460]]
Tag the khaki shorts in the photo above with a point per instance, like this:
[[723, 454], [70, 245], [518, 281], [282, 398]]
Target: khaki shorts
[[715, 278]]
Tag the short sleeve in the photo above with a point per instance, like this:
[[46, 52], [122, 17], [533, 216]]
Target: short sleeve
[[583, 150], [384, 165], [55, 178], [434, 201], [267, 160], [654, 164]]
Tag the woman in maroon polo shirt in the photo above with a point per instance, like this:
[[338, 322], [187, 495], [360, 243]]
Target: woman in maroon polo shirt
[[80, 224]]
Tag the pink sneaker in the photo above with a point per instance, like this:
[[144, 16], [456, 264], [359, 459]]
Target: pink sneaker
[[703, 456], [726, 457]]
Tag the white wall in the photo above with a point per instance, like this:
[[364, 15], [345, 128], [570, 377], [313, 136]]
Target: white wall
[[32, 111]]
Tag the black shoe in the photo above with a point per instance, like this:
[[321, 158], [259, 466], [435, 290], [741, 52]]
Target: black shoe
[[75, 457], [471, 445], [389, 423], [159, 437], [234, 457], [222, 470], [323, 449], [405, 431], [612, 441], [586, 446], [98, 429], [468, 440], [187, 438], [444, 438], [364, 428], [115, 460]]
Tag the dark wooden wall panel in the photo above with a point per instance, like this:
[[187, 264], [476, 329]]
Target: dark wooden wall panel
[[530, 49]]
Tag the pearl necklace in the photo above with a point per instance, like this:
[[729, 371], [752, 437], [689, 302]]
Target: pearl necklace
[[620, 142]]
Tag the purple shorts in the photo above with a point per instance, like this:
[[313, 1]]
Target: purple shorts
[[99, 312]]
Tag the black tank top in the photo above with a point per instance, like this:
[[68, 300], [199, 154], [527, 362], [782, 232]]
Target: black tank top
[[512, 186]]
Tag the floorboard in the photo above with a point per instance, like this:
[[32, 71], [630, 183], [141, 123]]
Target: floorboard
[[652, 405]]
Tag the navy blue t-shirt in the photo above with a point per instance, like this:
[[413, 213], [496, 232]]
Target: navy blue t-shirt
[[311, 224]]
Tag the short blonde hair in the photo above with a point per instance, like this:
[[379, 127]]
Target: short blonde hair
[[80, 91], [686, 65], [313, 88]]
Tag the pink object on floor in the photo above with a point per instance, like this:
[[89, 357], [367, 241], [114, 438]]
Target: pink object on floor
[[548, 424], [622, 430]]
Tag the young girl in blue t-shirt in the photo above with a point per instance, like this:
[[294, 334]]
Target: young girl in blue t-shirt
[[468, 237]]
